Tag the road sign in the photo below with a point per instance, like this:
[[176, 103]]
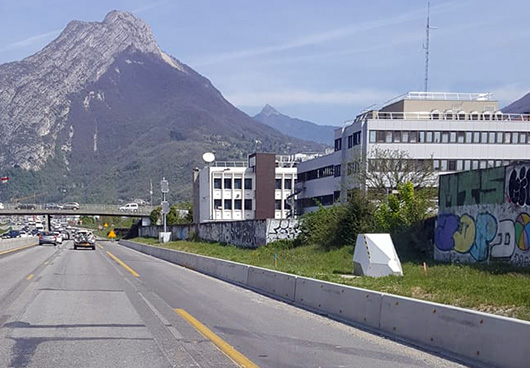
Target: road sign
[[164, 186], [106, 225], [112, 234], [165, 207]]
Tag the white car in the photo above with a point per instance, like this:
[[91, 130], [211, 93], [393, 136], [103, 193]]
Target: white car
[[58, 237], [1, 206], [129, 207]]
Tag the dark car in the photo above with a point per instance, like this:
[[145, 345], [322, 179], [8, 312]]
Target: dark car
[[53, 206], [26, 206], [11, 234]]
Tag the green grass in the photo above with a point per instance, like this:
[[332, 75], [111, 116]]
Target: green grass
[[496, 288]]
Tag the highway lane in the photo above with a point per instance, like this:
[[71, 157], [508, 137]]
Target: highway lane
[[80, 309], [115, 307], [270, 333]]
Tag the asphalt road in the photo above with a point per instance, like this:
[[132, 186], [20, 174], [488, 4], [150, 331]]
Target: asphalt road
[[66, 308]]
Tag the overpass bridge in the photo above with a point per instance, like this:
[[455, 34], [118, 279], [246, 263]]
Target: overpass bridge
[[10, 209]]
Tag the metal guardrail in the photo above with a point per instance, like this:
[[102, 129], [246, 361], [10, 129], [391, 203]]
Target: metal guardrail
[[84, 209], [453, 116]]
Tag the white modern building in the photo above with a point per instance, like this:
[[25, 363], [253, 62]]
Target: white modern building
[[260, 188], [450, 131]]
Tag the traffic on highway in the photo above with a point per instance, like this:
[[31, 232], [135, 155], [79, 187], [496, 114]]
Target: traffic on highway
[[115, 307]]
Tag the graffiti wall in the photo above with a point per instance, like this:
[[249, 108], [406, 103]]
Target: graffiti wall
[[245, 234], [484, 218]]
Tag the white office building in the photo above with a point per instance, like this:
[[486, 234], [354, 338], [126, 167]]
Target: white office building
[[450, 131], [260, 188]]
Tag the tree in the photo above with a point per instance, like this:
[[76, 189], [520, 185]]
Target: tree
[[383, 170]]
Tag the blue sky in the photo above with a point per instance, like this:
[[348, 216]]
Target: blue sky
[[322, 61]]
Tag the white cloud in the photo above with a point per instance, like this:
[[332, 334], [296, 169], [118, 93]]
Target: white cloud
[[31, 40], [300, 97]]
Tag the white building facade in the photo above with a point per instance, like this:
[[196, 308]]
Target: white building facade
[[261, 188], [450, 131]]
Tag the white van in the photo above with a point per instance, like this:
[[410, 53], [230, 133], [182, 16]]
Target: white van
[[129, 207]]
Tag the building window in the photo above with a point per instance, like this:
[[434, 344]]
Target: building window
[[522, 138], [373, 135], [380, 136], [476, 137], [515, 138], [445, 137], [228, 204], [248, 204], [350, 141], [483, 137], [461, 115], [248, 183], [437, 137], [507, 138], [336, 171], [237, 183], [287, 183], [483, 164], [500, 137], [461, 137], [460, 165], [474, 164], [413, 137], [452, 137], [338, 144], [397, 137], [217, 204], [217, 183], [388, 138], [498, 163], [451, 165], [436, 165], [237, 204], [491, 137], [228, 183], [278, 183], [491, 163], [467, 164], [443, 165], [421, 137], [277, 204], [405, 137], [469, 137], [428, 137]]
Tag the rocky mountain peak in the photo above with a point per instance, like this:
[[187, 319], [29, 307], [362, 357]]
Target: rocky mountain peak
[[269, 110]]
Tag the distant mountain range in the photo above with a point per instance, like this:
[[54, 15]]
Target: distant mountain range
[[102, 110], [297, 128], [520, 106]]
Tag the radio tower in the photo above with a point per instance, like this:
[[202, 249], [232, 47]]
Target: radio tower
[[426, 47]]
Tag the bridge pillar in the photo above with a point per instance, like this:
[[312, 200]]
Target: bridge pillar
[[48, 222]]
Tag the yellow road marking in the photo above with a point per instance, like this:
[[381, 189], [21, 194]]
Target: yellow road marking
[[30, 277], [15, 249], [235, 355], [99, 245], [121, 263]]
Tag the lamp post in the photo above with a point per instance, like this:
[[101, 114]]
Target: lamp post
[[164, 188]]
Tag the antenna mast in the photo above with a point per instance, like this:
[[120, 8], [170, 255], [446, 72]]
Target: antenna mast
[[426, 47]]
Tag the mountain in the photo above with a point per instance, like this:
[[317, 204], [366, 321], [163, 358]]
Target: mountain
[[102, 110], [521, 106], [297, 128]]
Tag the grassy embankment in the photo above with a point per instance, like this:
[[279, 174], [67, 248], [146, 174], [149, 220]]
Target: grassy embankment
[[499, 289]]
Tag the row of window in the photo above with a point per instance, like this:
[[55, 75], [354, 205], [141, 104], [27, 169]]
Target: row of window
[[235, 204], [326, 200], [322, 172], [287, 183], [462, 164], [405, 136], [353, 140], [237, 182]]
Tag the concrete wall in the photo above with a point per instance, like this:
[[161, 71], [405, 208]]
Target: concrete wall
[[7, 244], [245, 234], [473, 337], [484, 216]]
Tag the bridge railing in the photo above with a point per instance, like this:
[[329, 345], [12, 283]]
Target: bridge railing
[[111, 209]]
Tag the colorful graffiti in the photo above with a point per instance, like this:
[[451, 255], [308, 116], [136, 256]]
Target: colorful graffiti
[[522, 231], [465, 234]]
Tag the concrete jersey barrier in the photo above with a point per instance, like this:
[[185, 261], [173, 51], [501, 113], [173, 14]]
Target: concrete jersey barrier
[[8, 244], [479, 338]]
